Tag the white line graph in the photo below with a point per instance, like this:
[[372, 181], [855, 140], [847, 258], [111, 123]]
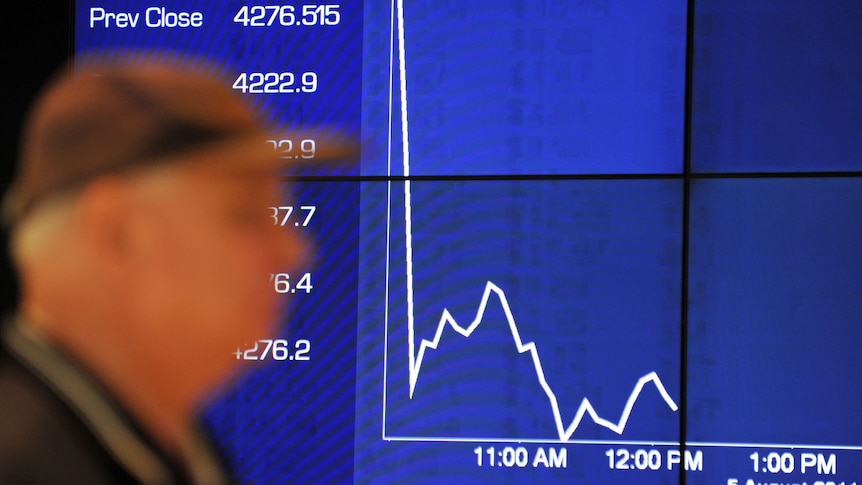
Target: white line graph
[[585, 408], [416, 358]]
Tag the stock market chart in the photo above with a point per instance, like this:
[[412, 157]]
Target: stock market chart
[[586, 242]]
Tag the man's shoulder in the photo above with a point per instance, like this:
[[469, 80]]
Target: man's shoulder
[[41, 438]]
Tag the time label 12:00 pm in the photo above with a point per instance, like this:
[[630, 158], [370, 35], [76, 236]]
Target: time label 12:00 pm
[[653, 459]]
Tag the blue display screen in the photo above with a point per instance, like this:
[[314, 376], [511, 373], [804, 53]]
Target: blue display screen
[[586, 242], [523, 316], [555, 88], [775, 274], [775, 86]]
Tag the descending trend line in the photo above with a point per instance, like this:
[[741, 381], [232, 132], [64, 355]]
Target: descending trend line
[[585, 408], [405, 153], [446, 319]]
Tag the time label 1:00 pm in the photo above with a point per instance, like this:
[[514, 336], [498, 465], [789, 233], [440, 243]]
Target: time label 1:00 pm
[[787, 462]]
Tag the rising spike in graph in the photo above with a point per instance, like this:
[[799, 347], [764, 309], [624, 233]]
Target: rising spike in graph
[[494, 297]]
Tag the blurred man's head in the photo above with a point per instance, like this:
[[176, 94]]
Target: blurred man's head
[[141, 233]]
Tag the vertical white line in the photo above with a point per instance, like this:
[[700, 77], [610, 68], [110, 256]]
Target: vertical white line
[[405, 148], [402, 70], [388, 218]]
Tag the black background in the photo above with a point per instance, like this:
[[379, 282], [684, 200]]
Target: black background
[[37, 41]]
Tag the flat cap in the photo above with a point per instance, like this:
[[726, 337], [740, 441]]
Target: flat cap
[[106, 119]]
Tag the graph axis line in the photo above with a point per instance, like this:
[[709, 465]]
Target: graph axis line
[[388, 220]]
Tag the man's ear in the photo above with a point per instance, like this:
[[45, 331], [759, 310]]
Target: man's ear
[[105, 217]]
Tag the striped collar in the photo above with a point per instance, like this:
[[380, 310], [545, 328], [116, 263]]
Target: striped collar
[[103, 417]]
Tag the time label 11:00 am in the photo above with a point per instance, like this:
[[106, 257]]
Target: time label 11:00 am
[[520, 457]]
